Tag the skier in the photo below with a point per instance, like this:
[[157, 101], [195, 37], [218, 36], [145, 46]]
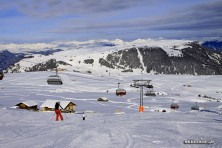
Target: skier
[[83, 116], [57, 111]]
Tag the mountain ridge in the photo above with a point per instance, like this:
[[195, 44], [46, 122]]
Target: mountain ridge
[[139, 56]]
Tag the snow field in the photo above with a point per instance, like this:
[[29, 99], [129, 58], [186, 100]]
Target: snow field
[[116, 123]]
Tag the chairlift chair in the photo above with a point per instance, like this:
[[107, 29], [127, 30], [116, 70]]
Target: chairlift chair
[[195, 107], [120, 92], [149, 86], [54, 80], [150, 93], [174, 105]]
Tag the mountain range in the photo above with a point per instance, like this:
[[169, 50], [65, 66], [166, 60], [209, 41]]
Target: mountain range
[[108, 57]]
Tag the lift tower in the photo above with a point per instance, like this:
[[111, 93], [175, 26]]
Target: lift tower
[[141, 84]]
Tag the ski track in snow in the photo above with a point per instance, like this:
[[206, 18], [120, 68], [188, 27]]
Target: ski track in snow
[[189, 82], [141, 60]]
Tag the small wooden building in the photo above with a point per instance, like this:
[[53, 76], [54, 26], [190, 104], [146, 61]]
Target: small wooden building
[[103, 99], [29, 105], [68, 106]]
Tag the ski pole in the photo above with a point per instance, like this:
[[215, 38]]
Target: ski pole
[[66, 116], [52, 116]]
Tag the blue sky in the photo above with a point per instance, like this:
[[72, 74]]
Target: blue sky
[[51, 20]]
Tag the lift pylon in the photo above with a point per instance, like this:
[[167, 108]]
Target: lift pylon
[[141, 84]]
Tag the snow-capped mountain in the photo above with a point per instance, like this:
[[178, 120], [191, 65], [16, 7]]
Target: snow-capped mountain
[[7, 58], [216, 45], [114, 57], [193, 59]]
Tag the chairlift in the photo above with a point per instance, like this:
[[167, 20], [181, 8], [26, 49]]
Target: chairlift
[[174, 105], [149, 86], [120, 91], [54, 79], [1, 75], [150, 93], [195, 107]]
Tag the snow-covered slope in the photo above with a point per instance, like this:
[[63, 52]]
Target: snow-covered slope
[[116, 123], [76, 52], [114, 57]]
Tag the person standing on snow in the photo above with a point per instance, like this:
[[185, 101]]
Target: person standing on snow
[[83, 116], [57, 111]]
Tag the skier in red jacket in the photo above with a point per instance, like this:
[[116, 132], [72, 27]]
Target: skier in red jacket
[[57, 111]]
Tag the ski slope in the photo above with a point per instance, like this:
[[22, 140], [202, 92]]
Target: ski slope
[[116, 123]]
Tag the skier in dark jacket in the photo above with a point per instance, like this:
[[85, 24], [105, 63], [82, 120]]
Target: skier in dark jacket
[[57, 111]]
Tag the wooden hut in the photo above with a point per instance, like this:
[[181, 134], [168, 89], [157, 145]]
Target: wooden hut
[[103, 99], [29, 105], [68, 106]]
